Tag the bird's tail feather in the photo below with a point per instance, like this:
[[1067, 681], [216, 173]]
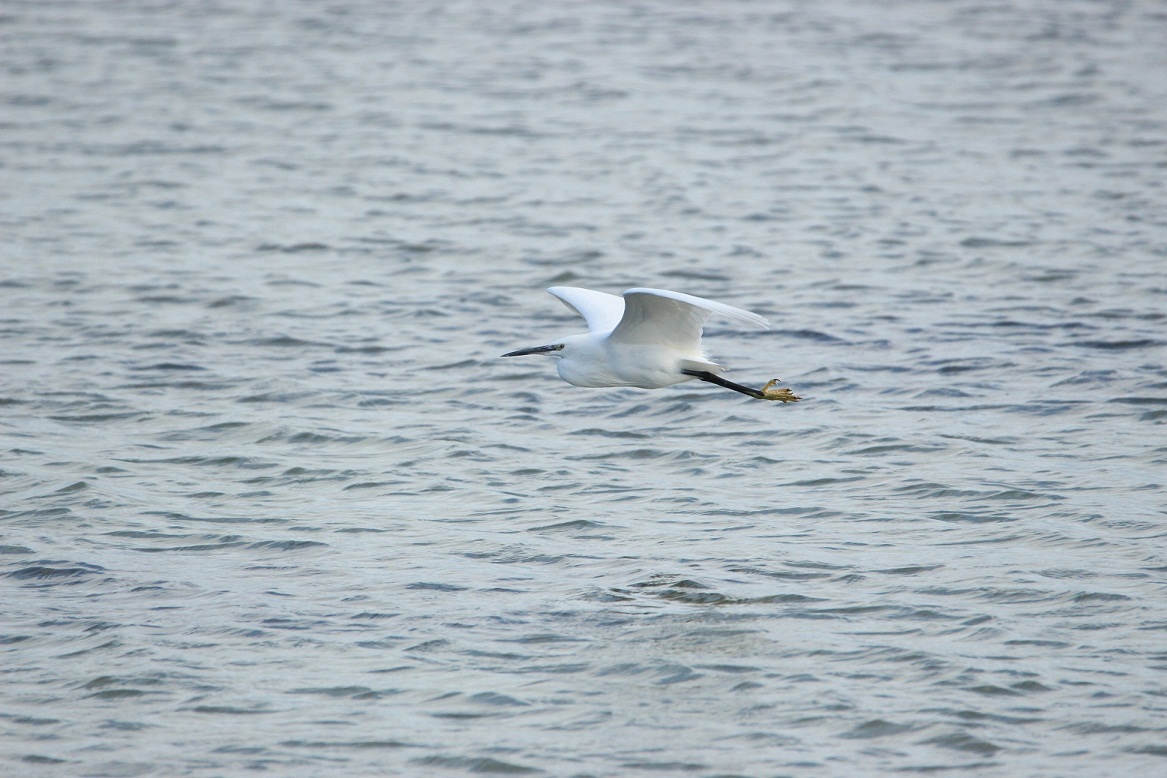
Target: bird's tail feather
[[699, 364]]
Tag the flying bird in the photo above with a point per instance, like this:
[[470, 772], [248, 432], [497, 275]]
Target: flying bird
[[649, 338]]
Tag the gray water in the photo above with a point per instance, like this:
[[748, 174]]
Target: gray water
[[271, 501]]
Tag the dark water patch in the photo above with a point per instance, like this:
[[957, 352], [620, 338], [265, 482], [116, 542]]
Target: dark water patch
[[479, 765], [494, 698], [238, 462], [696, 274], [48, 573], [1038, 643], [368, 349], [118, 694], [972, 517], [1100, 597], [436, 587], [981, 243], [676, 674], [275, 398], [165, 299], [964, 408], [695, 598], [233, 301], [104, 681], [992, 690], [815, 336], [565, 526], [106, 646], [666, 766], [996, 441], [1137, 400], [371, 485], [293, 624], [966, 715], [664, 579], [541, 638], [909, 570], [144, 535], [307, 474], [895, 447], [512, 557], [877, 728], [633, 454], [97, 418], [731, 669], [615, 595], [6, 549], [287, 545], [217, 543], [1119, 345], [506, 656], [7, 640], [293, 248], [227, 710], [1021, 495], [1031, 686], [1015, 596], [150, 148], [125, 726], [943, 392], [782, 575], [465, 364], [962, 741], [932, 490], [826, 481], [612, 433], [717, 598], [183, 517], [345, 745], [287, 341], [318, 438], [956, 367], [170, 366], [1061, 573], [350, 692]]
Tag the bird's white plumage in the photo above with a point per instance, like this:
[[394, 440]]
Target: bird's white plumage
[[672, 318], [602, 311]]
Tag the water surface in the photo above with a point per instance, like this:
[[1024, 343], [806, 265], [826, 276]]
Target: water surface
[[270, 501]]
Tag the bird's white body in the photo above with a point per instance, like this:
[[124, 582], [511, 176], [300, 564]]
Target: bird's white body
[[593, 360], [647, 338]]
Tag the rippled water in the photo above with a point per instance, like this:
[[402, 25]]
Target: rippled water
[[270, 500]]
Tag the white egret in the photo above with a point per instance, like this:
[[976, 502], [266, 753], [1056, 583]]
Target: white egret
[[648, 338]]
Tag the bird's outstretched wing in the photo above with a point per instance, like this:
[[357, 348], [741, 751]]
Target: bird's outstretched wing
[[602, 311], [658, 316]]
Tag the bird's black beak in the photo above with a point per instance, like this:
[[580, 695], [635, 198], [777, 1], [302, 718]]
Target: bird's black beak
[[536, 350]]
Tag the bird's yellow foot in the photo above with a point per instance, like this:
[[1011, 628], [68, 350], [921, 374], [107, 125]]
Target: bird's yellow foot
[[784, 395]]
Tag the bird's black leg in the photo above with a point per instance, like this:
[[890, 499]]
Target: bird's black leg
[[765, 393]]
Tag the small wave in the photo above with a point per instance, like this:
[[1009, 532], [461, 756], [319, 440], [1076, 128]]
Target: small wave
[[45, 572], [287, 545], [484, 764]]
